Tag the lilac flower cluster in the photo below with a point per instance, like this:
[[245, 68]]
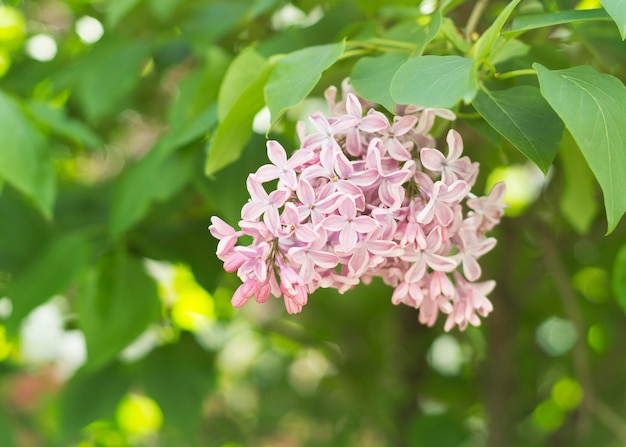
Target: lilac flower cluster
[[363, 198]]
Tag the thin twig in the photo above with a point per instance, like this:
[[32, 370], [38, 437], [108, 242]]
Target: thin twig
[[591, 403], [474, 18]]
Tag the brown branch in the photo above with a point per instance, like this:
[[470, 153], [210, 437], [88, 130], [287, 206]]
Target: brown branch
[[591, 403]]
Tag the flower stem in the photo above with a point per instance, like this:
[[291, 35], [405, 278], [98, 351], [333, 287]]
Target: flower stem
[[516, 73], [474, 18]]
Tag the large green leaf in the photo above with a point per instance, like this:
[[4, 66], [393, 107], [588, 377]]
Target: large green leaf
[[578, 202], [117, 301], [371, 77], [488, 39], [209, 21], [157, 177], [50, 272], [235, 130], [434, 81], [187, 365], [91, 397], [194, 110], [24, 159], [534, 21], [523, 117], [295, 75], [55, 120], [102, 90], [591, 105], [240, 74], [118, 9], [617, 10], [164, 9], [618, 280]]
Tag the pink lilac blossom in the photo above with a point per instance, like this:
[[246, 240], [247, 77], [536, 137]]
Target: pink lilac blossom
[[361, 198]]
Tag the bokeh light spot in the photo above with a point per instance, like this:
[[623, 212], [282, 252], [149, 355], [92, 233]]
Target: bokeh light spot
[[194, 307], [593, 283], [138, 415], [12, 24], [89, 30], [597, 338], [523, 185], [556, 336], [445, 355], [41, 47], [567, 393], [548, 416]]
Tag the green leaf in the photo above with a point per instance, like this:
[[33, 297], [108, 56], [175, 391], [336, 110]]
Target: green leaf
[[165, 172], [525, 119], [7, 435], [207, 23], [91, 397], [434, 81], [414, 32], [240, 74], [235, 130], [452, 34], [296, 74], [534, 21], [55, 121], [618, 280], [488, 39], [101, 90], [187, 365], [117, 10], [578, 202], [163, 9], [371, 77], [591, 105], [194, 111], [24, 159], [617, 11], [116, 303], [50, 272]]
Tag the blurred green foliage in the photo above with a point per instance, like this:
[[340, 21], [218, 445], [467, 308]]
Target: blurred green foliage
[[126, 124]]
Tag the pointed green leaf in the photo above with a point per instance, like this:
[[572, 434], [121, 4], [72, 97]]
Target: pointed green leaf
[[116, 303], [240, 74], [118, 9], [132, 198], [101, 90], [591, 105], [578, 202], [434, 81], [55, 121], [194, 110], [24, 159], [523, 117], [618, 280], [50, 272], [164, 9], [534, 21], [617, 10], [371, 77], [488, 39], [296, 74], [235, 130]]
